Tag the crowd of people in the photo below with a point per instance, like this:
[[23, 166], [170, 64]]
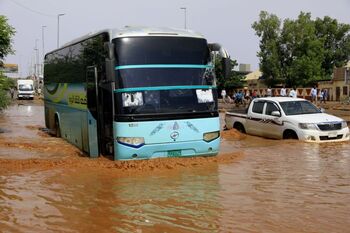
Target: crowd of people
[[244, 97]]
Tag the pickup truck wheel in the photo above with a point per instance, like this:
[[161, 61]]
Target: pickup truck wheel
[[290, 134], [239, 127]]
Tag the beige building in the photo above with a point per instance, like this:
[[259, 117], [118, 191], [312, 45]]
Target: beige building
[[339, 87]]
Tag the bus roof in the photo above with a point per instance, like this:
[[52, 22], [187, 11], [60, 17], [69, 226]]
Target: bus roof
[[130, 31], [135, 31]]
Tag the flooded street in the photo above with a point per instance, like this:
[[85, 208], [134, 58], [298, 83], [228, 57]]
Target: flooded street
[[254, 185]]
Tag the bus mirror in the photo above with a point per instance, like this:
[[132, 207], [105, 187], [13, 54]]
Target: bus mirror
[[109, 47], [214, 47], [226, 66], [225, 58], [110, 70]]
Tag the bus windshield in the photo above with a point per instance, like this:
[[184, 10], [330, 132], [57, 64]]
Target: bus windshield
[[166, 74]]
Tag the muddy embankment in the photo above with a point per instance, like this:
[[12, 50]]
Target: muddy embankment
[[47, 152]]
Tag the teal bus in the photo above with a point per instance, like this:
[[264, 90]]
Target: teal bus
[[135, 93]]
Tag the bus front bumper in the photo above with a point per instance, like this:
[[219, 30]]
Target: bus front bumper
[[175, 149]]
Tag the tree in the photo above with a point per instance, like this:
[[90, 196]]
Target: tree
[[303, 51], [235, 80], [268, 29], [336, 42], [6, 34]]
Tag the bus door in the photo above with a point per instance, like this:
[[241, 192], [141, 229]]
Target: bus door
[[92, 121]]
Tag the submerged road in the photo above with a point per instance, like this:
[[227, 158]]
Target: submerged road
[[254, 185]]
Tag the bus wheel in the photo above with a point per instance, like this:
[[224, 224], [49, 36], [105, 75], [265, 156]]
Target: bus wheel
[[57, 128]]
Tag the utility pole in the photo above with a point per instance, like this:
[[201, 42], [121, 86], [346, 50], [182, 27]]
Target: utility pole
[[58, 29], [185, 12]]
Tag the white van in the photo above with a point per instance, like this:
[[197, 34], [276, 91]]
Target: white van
[[25, 89]]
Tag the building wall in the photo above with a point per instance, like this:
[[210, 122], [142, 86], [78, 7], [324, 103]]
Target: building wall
[[339, 87]]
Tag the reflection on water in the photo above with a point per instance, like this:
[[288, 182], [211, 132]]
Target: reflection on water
[[17, 117], [93, 201]]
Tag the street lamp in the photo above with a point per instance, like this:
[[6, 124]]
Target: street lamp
[[36, 71], [43, 40], [58, 29], [185, 12]]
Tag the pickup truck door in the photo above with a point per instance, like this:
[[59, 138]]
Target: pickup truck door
[[255, 117], [273, 126]]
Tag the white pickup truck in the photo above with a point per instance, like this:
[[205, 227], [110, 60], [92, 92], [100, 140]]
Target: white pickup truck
[[288, 118]]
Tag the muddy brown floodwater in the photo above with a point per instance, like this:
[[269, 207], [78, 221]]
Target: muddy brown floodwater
[[253, 185]]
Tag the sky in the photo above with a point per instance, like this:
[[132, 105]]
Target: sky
[[227, 22]]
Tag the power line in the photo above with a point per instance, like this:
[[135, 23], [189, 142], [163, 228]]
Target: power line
[[29, 9]]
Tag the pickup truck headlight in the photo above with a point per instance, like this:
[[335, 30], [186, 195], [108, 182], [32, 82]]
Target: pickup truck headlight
[[344, 124], [135, 142], [210, 136], [308, 126]]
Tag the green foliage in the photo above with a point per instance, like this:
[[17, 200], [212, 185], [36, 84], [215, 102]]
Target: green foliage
[[6, 33], [300, 52], [268, 29], [336, 41], [234, 81], [5, 85], [4, 99]]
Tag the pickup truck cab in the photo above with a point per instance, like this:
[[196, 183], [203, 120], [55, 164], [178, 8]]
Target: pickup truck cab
[[288, 118]]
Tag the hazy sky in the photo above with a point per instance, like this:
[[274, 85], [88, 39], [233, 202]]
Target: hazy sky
[[225, 21]]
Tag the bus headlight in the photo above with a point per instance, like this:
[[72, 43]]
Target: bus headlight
[[131, 141], [210, 136], [344, 124], [307, 126]]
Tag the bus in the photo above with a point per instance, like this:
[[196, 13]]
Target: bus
[[136, 93]]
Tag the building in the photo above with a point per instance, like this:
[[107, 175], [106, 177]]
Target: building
[[339, 87], [10, 70], [253, 80]]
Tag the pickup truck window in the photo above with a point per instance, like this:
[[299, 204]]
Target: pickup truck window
[[258, 107], [299, 108], [270, 107]]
